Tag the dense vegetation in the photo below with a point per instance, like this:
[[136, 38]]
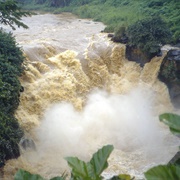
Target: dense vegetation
[[11, 67], [148, 35], [11, 60], [11, 13]]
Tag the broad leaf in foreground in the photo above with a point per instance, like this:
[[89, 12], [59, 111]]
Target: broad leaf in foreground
[[99, 159], [172, 120], [25, 175], [93, 169], [79, 168], [163, 172]]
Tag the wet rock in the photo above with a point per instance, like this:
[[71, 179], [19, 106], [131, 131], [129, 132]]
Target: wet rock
[[110, 35], [136, 55], [175, 159], [170, 75], [174, 92], [121, 39], [174, 55], [27, 143]]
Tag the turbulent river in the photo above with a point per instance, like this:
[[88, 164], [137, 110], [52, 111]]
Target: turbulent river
[[80, 93]]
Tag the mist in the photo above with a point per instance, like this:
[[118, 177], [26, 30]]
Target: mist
[[126, 121]]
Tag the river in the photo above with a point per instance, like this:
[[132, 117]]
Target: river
[[80, 93]]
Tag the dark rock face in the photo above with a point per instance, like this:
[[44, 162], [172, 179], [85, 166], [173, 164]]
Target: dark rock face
[[118, 38], [175, 159], [26, 143], [170, 75], [174, 55], [122, 39], [134, 54], [169, 71]]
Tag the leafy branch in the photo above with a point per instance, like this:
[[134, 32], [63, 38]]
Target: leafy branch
[[11, 14]]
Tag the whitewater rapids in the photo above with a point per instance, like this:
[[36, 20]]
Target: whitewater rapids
[[80, 93]]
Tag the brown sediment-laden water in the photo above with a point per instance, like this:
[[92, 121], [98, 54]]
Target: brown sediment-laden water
[[80, 93]]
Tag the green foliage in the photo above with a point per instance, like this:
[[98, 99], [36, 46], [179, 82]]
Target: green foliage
[[149, 34], [58, 3], [163, 172], [93, 169], [80, 2], [9, 137], [168, 71], [11, 60], [11, 52], [172, 120], [25, 175], [11, 66], [81, 170], [170, 171], [11, 14], [99, 159]]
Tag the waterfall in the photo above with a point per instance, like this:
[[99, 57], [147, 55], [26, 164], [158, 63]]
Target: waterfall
[[76, 101]]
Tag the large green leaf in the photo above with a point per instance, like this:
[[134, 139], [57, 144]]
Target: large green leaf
[[25, 175], [94, 168], [63, 177], [99, 160], [163, 172], [80, 169], [172, 120]]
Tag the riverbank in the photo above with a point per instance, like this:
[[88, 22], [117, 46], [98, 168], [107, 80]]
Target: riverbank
[[115, 14]]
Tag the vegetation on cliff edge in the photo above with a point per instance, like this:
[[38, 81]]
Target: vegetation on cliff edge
[[11, 67]]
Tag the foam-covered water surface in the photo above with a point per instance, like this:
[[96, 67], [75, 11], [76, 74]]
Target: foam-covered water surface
[[81, 93]]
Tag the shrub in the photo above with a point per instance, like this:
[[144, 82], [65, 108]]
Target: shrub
[[11, 52], [10, 135], [149, 34], [11, 66]]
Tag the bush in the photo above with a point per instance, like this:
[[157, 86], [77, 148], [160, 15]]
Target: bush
[[11, 66], [11, 52], [149, 34], [10, 135]]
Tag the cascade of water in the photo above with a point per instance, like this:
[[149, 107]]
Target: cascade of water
[[72, 107]]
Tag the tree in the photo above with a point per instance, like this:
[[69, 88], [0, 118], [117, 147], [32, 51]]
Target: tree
[[11, 14], [11, 67], [58, 3], [10, 135], [149, 34]]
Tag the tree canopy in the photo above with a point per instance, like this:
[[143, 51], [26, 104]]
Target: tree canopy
[[149, 34], [11, 67], [11, 14]]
